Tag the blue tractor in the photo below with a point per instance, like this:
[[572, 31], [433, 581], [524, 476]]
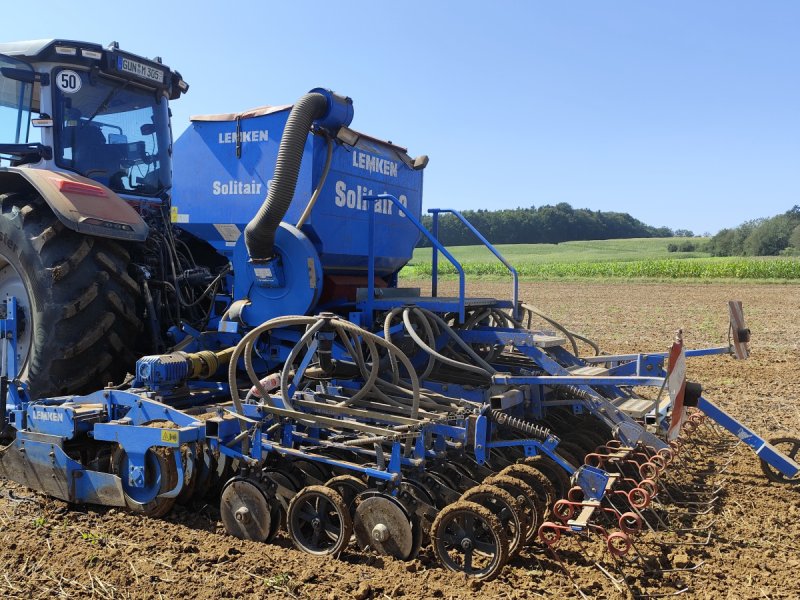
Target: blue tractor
[[242, 331]]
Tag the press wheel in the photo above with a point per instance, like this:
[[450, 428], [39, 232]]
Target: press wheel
[[318, 521], [503, 506], [349, 488], [558, 477], [545, 491], [467, 538], [528, 506]]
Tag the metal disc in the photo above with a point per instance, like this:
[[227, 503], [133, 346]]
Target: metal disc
[[383, 525], [418, 497], [246, 511]]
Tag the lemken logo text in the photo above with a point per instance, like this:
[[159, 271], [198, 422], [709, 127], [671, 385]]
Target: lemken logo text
[[229, 137], [374, 164], [45, 415]]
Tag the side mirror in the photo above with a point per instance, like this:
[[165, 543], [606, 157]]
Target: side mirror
[[23, 75]]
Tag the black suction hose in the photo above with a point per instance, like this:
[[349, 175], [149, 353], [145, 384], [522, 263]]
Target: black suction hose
[[259, 235]]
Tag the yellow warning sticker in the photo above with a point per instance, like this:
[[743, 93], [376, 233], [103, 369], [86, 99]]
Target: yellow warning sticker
[[169, 436], [177, 217]]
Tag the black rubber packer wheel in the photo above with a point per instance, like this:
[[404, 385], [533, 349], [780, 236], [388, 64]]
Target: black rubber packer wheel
[[79, 305]]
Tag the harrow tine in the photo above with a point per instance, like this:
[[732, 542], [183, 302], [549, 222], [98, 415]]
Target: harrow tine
[[705, 542], [686, 503], [611, 578], [680, 592], [555, 555], [676, 569]]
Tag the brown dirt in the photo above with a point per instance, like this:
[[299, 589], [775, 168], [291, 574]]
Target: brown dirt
[[53, 550]]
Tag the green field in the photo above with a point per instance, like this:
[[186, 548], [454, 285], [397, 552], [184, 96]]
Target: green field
[[631, 258]]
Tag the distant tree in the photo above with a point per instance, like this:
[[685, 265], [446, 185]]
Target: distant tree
[[684, 233], [546, 224], [794, 238], [759, 237], [662, 232], [770, 237]]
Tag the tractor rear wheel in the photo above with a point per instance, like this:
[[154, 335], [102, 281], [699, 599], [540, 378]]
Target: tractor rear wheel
[[77, 304]]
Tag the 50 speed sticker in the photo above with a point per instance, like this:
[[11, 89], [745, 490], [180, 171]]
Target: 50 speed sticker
[[68, 81]]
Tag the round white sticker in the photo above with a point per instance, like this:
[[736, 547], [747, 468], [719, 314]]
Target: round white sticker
[[68, 81]]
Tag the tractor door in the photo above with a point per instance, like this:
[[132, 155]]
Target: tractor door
[[16, 92]]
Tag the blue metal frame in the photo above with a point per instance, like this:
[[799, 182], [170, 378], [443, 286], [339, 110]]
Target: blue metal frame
[[764, 450], [371, 258], [435, 255]]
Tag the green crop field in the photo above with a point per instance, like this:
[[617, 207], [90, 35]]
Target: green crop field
[[630, 258]]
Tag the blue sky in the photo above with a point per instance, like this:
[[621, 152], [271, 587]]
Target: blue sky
[[682, 113]]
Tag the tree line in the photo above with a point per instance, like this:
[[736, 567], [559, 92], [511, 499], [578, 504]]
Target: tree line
[[778, 235], [544, 225]]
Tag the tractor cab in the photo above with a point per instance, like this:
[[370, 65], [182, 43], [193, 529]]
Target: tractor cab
[[98, 112]]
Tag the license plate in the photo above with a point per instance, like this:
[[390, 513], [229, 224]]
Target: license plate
[[140, 70]]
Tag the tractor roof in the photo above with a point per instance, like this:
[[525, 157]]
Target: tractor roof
[[89, 54]]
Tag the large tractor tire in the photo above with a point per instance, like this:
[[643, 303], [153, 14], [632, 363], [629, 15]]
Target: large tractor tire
[[77, 302]]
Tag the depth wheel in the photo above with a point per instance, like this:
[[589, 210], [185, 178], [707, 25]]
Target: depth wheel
[[467, 538], [790, 446], [318, 521], [503, 506]]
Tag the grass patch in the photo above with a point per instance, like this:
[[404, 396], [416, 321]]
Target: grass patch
[[646, 258], [569, 252]]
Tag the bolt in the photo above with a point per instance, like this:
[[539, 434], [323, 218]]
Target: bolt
[[380, 533], [242, 514]]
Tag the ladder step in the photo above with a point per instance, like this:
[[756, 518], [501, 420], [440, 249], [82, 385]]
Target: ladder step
[[545, 340], [589, 370], [583, 518]]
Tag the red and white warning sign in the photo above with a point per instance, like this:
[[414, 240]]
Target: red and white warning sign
[[676, 385]]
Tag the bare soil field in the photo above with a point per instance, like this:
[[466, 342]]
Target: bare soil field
[[752, 530]]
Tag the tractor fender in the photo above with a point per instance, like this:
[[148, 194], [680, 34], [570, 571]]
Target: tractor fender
[[81, 204]]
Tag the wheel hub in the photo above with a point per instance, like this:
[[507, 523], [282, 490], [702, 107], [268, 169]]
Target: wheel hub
[[380, 533], [246, 510], [384, 525], [242, 514], [11, 285]]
